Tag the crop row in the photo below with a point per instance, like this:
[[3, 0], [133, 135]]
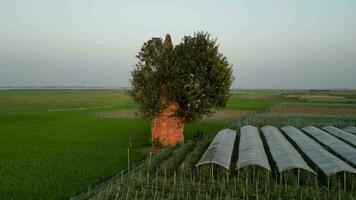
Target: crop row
[[241, 186]]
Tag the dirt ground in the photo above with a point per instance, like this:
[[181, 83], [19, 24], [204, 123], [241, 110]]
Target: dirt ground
[[220, 115], [315, 110], [125, 113], [321, 97], [226, 115], [308, 97]]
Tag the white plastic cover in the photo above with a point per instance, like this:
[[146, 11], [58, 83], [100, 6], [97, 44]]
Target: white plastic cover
[[283, 152], [350, 129], [343, 135], [220, 149], [340, 147], [326, 161], [251, 150]]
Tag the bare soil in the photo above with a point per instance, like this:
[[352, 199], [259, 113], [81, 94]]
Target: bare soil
[[226, 115], [315, 110], [220, 115], [125, 113], [321, 97], [309, 97]]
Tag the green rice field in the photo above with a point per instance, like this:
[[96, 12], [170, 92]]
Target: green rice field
[[54, 144]]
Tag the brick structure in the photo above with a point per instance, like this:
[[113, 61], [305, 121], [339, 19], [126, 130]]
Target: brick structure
[[166, 128]]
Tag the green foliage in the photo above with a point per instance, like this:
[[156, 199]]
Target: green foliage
[[193, 74], [177, 157], [193, 157], [154, 161]]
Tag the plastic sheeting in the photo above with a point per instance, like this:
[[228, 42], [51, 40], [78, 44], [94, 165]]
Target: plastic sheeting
[[350, 129], [283, 153], [220, 149], [344, 135], [326, 161], [251, 150], [344, 150]]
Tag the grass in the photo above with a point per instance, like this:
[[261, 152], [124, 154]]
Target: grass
[[246, 102], [46, 154], [56, 155]]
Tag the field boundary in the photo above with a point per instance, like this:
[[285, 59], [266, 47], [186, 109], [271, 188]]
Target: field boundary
[[73, 109]]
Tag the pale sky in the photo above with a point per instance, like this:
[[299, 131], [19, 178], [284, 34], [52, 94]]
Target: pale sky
[[300, 44]]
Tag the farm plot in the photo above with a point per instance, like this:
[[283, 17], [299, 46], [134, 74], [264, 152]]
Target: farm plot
[[315, 109], [206, 169], [54, 144]]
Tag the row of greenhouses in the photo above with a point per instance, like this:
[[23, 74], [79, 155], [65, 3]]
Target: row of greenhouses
[[267, 162], [330, 149]]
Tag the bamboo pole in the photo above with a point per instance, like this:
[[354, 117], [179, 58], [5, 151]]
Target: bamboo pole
[[174, 178], [267, 181], [128, 160], [344, 181], [253, 175], [212, 171], [328, 186], [298, 177]]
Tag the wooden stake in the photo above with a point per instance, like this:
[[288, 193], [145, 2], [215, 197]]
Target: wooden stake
[[128, 160], [212, 171], [267, 182], [253, 175], [344, 181], [328, 185], [298, 176], [174, 178]]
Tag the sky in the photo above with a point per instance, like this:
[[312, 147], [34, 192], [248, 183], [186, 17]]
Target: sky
[[279, 44]]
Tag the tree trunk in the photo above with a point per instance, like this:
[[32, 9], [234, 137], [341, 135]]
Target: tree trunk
[[166, 128]]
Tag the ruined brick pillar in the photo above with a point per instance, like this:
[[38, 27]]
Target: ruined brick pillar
[[166, 128]]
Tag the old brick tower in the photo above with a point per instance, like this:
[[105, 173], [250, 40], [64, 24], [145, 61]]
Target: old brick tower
[[166, 128]]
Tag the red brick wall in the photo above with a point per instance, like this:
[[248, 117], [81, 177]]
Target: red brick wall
[[166, 128]]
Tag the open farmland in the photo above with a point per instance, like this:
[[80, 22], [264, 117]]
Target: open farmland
[[54, 144]]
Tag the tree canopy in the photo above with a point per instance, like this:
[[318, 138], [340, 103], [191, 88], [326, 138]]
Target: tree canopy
[[193, 74]]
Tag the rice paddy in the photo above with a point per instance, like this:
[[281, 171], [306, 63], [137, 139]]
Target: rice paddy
[[57, 144]]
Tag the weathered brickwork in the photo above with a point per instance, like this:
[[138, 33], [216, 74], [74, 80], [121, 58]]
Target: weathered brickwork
[[167, 129]]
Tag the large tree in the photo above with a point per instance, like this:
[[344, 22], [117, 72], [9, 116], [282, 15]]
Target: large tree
[[176, 85]]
